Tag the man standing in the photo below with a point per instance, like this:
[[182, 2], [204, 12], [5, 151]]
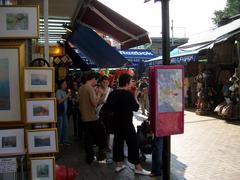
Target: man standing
[[143, 87], [94, 131]]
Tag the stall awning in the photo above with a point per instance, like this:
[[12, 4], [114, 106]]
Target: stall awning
[[137, 54], [95, 48], [177, 56], [101, 18], [78, 62], [217, 35]]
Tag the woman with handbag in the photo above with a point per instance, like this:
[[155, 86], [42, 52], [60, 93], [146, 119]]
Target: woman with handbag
[[62, 98]]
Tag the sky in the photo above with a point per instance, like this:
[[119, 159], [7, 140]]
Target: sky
[[190, 17]]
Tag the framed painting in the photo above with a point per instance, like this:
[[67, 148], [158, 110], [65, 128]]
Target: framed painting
[[41, 110], [43, 168], [11, 142], [12, 57], [39, 79], [42, 141], [19, 22]]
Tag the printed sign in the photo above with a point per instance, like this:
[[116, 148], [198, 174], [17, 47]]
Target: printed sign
[[8, 165]]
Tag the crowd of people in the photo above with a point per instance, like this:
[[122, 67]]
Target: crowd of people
[[100, 108]]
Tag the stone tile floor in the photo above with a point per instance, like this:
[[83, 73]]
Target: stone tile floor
[[208, 150]]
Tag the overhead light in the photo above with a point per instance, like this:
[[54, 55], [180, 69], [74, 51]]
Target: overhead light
[[57, 20]]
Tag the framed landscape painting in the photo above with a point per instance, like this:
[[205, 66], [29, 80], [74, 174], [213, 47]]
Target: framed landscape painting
[[11, 142], [39, 79], [19, 22], [11, 72], [43, 168], [42, 141], [41, 110]]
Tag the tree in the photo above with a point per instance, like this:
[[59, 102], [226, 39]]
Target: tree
[[232, 8]]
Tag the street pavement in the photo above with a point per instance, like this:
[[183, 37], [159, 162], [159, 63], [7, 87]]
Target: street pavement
[[209, 149]]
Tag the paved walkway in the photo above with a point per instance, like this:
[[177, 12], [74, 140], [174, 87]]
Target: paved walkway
[[208, 150]]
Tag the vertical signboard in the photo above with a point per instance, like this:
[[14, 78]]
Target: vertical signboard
[[167, 104]]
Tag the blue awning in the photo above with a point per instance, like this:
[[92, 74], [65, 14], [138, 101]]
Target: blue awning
[[95, 48], [137, 54], [177, 56]]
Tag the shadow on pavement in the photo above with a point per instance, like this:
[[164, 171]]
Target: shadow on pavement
[[178, 168]]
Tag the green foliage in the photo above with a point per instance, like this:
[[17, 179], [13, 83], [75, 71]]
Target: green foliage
[[232, 8]]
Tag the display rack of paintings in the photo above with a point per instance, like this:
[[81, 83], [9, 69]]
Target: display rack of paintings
[[41, 112]]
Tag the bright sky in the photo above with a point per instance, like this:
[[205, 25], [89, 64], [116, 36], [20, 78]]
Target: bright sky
[[190, 17]]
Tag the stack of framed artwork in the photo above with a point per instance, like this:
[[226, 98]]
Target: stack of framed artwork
[[20, 110], [41, 142]]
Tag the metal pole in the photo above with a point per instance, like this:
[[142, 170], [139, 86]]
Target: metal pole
[[166, 61], [46, 47]]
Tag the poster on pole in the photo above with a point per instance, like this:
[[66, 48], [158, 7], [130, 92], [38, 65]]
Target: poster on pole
[[168, 104]]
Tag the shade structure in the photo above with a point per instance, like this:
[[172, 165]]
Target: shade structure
[[208, 39], [95, 48], [77, 60], [100, 17]]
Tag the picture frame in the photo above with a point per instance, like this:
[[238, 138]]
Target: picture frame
[[43, 168], [12, 142], [42, 141], [20, 22], [41, 110], [12, 61], [39, 79]]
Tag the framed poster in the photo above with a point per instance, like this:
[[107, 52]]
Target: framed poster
[[41, 110], [19, 22], [42, 141], [12, 142], [43, 168], [168, 105], [39, 79], [12, 57]]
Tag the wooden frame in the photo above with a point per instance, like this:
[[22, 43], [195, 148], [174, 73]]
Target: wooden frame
[[19, 22], [41, 110], [11, 142], [12, 60], [40, 168], [39, 79], [42, 141]]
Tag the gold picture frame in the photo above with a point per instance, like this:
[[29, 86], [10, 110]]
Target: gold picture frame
[[43, 167], [12, 61], [39, 79], [42, 141], [41, 110], [12, 142], [20, 22]]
